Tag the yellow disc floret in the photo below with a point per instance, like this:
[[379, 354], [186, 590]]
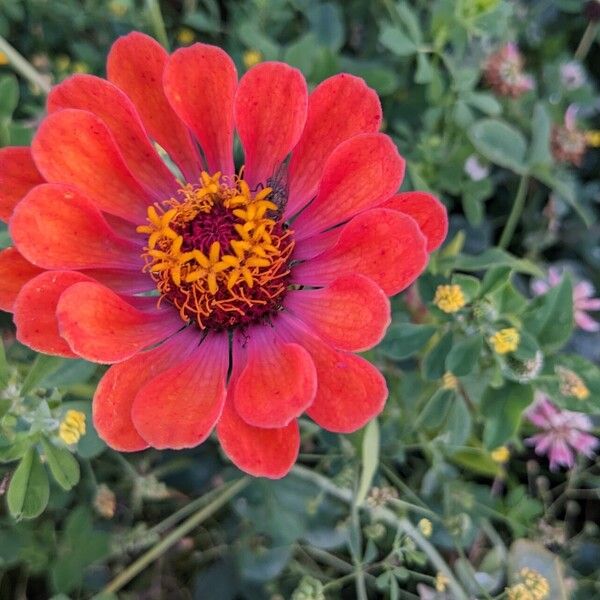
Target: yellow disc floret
[[72, 427], [449, 298], [218, 251]]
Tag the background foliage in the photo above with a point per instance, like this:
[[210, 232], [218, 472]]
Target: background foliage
[[84, 521]]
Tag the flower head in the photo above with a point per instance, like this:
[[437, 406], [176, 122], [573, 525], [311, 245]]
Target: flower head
[[449, 298], [475, 169], [3, 59], [583, 300], [425, 527], [500, 455], [532, 586], [449, 381], [505, 341], [504, 72], [572, 75], [72, 427], [571, 384], [568, 143], [564, 433], [252, 57], [228, 298]]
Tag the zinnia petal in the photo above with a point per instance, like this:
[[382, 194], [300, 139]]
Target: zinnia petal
[[35, 311], [118, 388], [179, 407], [57, 227], [15, 272], [102, 327], [270, 112], [429, 213], [107, 101], [384, 245], [75, 147], [136, 64], [277, 383], [350, 390], [18, 175], [338, 108], [351, 313], [200, 83], [359, 174]]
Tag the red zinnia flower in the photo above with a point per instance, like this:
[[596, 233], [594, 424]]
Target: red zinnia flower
[[225, 299]]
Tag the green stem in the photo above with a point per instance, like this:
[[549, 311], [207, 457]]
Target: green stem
[[24, 67], [515, 213], [158, 24], [587, 39], [188, 525], [387, 516]]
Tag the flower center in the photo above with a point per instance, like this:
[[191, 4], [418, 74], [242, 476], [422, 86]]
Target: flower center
[[219, 252]]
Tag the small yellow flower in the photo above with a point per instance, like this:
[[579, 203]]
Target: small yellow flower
[[536, 583], [81, 67], [252, 57], [425, 527], [72, 427], [441, 581], [593, 138], [519, 592], [571, 384], [449, 381], [185, 36], [500, 454], [505, 341], [118, 9], [3, 59], [449, 298]]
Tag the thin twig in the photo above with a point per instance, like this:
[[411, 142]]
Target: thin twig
[[24, 67]]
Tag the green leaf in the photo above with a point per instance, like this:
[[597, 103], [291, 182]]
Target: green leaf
[[29, 490], [424, 73], [500, 143], [539, 151], [484, 102], [459, 422], [326, 22], [435, 360], [476, 460], [9, 96], [495, 278], [63, 465], [301, 53], [469, 285], [549, 317], [464, 355], [405, 339], [502, 408], [494, 257], [3, 367], [410, 20], [396, 41], [435, 410], [370, 460], [90, 444], [42, 367]]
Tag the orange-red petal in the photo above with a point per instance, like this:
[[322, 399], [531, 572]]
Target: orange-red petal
[[270, 112], [350, 390], [338, 108], [359, 174], [102, 327], [179, 407], [35, 311], [18, 175], [136, 64], [351, 313], [278, 381], [200, 83], [75, 147], [56, 227], [258, 451], [429, 213], [15, 272], [105, 100], [384, 245], [113, 400]]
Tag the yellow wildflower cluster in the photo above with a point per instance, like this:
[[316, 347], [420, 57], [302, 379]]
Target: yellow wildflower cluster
[[571, 384], [72, 427], [221, 275], [500, 455], [441, 582], [425, 527], [449, 298], [449, 381], [251, 58], [533, 586], [185, 36], [505, 341]]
